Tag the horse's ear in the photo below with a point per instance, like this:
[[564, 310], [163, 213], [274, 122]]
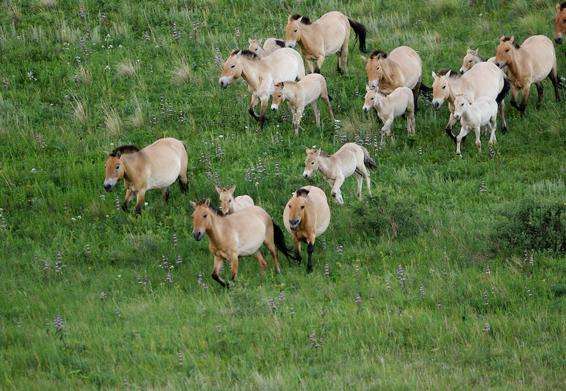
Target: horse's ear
[[308, 151], [512, 39], [193, 204], [502, 38], [231, 189], [207, 202], [218, 189], [558, 7], [448, 73], [434, 75]]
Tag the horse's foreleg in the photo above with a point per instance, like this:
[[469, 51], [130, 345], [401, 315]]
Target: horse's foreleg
[[234, 266], [310, 250], [140, 200], [297, 115], [319, 61], [253, 104], [297, 244], [310, 65], [386, 129], [336, 192], [263, 109], [501, 109], [261, 260], [514, 95], [316, 112], [553, 76], [450, 125], [526, 93], [166, 194], [216, 271], [477, 130], [127, 199], [463, 132], [540, 93]]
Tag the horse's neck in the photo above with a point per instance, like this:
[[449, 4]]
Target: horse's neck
[[521, 60], [380, 100], [455, 87], [133, 165], [291, 93], [309, 40], [251, 73], [470, 115], [215, 233], [325, 166]]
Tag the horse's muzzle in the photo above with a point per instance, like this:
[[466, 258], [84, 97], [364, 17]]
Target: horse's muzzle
[[558, 40], [197, 235], [107, 187], [435, 105], [294, 224]]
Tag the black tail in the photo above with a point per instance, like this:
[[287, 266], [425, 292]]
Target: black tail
[[368, 160], [280, 243], [503, 93], [426, 91], [360, 31]]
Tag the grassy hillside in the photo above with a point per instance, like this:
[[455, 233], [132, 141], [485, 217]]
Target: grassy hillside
[[451, 276]]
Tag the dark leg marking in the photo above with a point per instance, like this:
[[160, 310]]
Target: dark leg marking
[[310, 250]]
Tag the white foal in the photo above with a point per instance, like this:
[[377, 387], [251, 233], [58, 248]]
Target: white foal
[[481, 113]]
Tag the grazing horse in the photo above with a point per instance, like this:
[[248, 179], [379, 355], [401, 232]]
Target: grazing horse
[[560, 22], [300, 94], [399, 102], [229, 204], [350, 159], [472, 58], [481, 113], [483, 79], [400, 68], [156, 166], [269, 46], [325, 36], [306, 216], [529, 63], [261, 74], [237, 235]]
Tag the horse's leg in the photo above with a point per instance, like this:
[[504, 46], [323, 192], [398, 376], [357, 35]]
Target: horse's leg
[[297, 244], [310, 250], [165, 192], [526, 93], [261, 260], [343, 55], [416, 91], [253, 104], [553, 76], [263, 109], [514, 95], [540, 93], [463, 132], [316, 113], [365, 174], [140, 200], [501, 110], [310, 65], [493, 127], [297, 115], [216, 271], [386, 129], [270, 244], [234, 265], [127, 199], [319, 61], [359, 183], [477, 130], [336, 192], [451, 122]]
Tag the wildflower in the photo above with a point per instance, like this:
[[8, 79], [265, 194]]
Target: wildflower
[[281, 296], [314, 340], [486, 328], [181, 358], [326, 270], [401, 276], [358, 299], [421, 292], [59, 263], [59, 325]]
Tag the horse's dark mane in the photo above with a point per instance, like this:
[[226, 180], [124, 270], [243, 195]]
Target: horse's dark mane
[[124, 149], [280, 43], [517, 46], [453, 74], [563, 5], [304, 20], [378, 54], [322, 153], [245, 52], [302, 192]]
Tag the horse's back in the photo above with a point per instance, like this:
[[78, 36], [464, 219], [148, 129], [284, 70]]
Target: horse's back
[[286, 65], [541, 51], [485, 79], [249, 226], [243, 202], [410, 63], [165, 159]]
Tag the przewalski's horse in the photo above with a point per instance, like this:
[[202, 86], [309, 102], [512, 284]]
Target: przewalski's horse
[[325, 36], [269, 46], [261, 74], [560, 22], [400, 68], [156, 166], [529, 63], [472, 58], [306, 216], [300, 94], [473, 116], [229, 203], [483, 79], [350, 159], [237, 235], [399, 102]]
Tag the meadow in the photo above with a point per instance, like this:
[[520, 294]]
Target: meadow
[[452, 276]]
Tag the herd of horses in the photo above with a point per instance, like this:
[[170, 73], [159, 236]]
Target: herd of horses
[[275, 70]]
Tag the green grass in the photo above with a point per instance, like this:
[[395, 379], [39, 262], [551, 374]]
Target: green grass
[[421, 291]]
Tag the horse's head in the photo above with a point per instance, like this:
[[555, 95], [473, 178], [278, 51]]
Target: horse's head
[[560, 22], [471, 58], [296, 207], [255, 46], [505, 52], [278, 96], [377, 66], [114, 168], [371, 93], [461, 104], [294, 28], [232, 68], [311, 162], [440, 88], [202, 218], [226, 196]]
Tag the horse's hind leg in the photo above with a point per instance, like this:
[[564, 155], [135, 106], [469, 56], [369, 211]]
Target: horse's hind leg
[[365, 173], [261, 260], [416, 91], [166, 193], [140, 200], [359, 184], [501, 110], [316, 112], [343, 55], [326, 98], [310, 250], [216, 271], [553, 76], [253, 104], [540, 92], [273, 251]]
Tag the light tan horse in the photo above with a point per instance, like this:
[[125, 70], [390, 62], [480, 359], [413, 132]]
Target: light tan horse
[[300, 94], [237, 235], [400, 68], [526, 64], [483, 79], [306, 216], [157, 166], [229, 203], [261, 74], [325, 36], [560, 22], [350, 159], [472, 58], [269, 46]]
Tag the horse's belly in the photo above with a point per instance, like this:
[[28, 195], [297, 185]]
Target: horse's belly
[[249, 246], [164, 177]]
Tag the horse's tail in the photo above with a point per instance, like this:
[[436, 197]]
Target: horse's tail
[[426, 91], [360, 31], [368, 160], [504, 91], [279, 240]]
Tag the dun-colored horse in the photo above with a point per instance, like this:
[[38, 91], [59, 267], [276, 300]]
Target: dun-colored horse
[[560, 22], [237, 235], [261, 74], [306, 216], [350, 159], [526, 64], [229, 203], [325, 36], [269, 46], [157, 166], [472, 58]]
